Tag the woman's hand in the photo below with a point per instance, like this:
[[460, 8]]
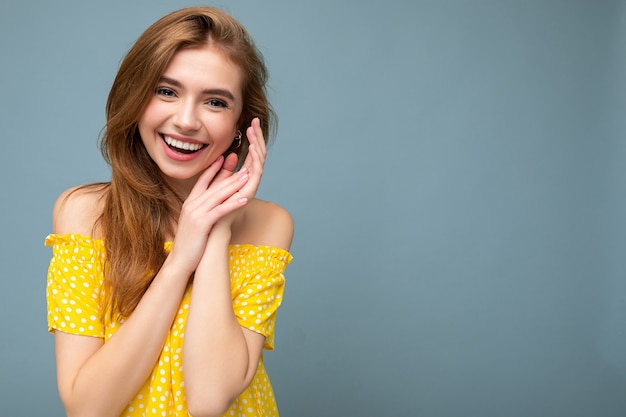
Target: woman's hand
[[253, 165], [220, 357], [213, 197]]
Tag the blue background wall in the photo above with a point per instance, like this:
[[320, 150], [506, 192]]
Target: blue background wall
[[455, 170]]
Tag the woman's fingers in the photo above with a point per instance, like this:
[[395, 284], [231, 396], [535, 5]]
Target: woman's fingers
[[206, 178], [255, 161], [257, 151], [228, 167], [256, 134], [221, 185], [219, 191]]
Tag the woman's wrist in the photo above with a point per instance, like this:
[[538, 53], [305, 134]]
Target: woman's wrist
[[220, 233], [173, 269]]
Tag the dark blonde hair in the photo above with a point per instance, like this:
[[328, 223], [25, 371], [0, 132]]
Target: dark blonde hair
[[140, 209]]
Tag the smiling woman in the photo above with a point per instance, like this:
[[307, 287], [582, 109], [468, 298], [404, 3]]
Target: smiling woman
[[192, 117], [175, 246]]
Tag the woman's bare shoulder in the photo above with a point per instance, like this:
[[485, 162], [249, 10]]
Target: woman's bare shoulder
[[264, 223], [77, 209]]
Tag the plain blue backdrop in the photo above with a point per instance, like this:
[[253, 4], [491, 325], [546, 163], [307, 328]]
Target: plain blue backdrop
[[456, 171]]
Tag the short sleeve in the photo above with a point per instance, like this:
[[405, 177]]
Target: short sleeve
[[258, 282], [73, 285]]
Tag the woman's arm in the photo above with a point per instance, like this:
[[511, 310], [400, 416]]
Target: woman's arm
[[100, 379], [219, 356]]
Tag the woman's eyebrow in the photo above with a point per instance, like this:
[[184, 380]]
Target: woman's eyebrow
[[217, 91], [171, 81]]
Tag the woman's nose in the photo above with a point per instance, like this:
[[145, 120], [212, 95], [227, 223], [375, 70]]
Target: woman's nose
[[186, 117]]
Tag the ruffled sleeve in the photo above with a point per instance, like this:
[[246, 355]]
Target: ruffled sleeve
[[258, 282], [74, 284]]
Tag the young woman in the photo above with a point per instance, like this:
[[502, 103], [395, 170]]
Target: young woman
[[164, 282]]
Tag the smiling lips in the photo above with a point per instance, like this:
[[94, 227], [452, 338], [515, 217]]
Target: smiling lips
[[182, 147]]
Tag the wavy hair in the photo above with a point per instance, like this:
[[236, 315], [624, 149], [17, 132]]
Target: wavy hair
[[140, 209]]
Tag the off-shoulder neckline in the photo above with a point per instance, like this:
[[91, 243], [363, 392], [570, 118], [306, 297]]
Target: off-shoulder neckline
[[168, 244]]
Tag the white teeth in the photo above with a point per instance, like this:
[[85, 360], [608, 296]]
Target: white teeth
[[186, 146]]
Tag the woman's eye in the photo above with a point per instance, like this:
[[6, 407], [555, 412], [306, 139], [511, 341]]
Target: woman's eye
[[162, 91], [216, 103]]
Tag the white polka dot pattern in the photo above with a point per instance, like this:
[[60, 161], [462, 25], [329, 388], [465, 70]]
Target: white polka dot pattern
[[257, 283]]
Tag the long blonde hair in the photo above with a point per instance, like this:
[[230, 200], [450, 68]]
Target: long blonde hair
[[140, 209]]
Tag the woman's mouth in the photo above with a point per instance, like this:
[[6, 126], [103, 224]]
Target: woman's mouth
[[182, 147]]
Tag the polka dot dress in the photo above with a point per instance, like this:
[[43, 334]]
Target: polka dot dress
[[257, 282]]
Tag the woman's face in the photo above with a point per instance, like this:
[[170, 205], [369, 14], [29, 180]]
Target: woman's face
[[192, 117]]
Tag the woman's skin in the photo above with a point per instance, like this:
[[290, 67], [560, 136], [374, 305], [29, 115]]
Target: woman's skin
[[196, 106]]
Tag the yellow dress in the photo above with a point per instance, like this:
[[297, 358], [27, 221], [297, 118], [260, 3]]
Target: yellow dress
[[257, 283]]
